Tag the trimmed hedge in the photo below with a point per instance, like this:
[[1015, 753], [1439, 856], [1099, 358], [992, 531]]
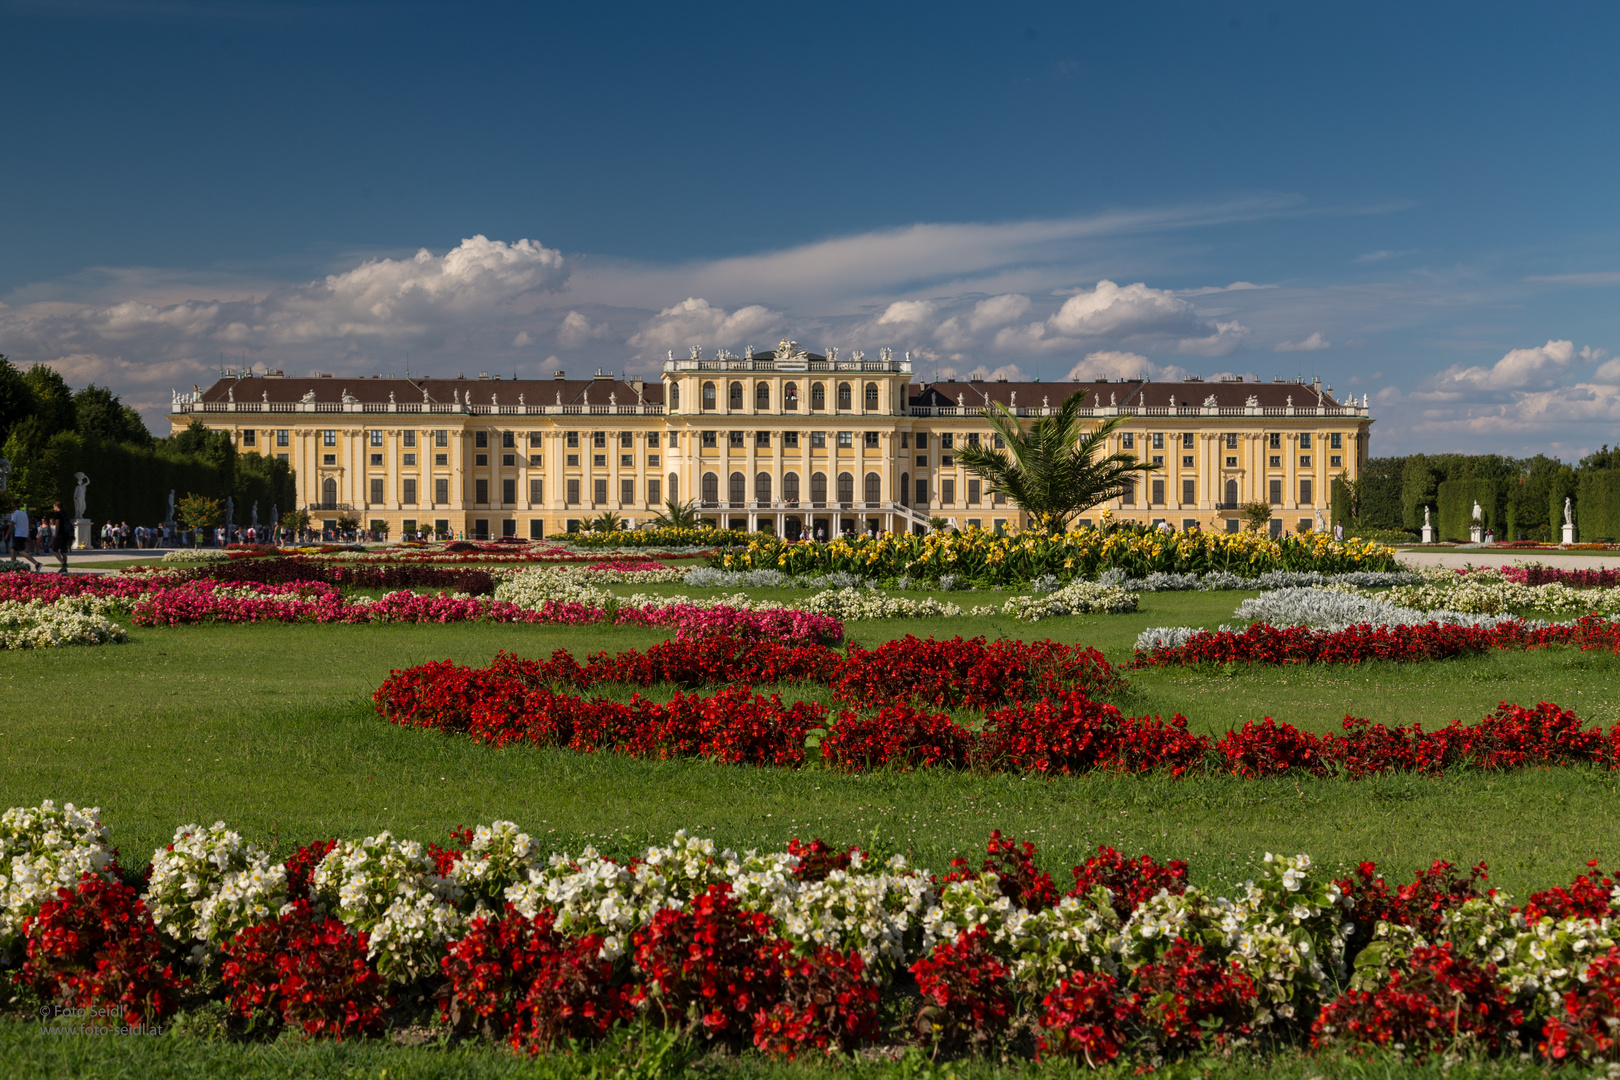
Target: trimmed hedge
[[1456, 500], [1597, 511]]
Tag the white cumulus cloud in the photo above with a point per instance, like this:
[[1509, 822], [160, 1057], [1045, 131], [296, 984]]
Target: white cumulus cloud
[[1311, 344], [1517, 369], [694, 321]]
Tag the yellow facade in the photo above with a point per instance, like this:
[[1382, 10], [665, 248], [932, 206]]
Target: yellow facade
[[789, 442]]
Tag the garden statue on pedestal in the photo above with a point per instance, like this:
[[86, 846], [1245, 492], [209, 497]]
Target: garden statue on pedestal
[[1569, 522], [81, 524], [1428, 529], [168, 522], [1476, 531]]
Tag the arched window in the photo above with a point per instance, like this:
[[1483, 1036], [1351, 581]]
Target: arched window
[[762, 488], [818, 488], [674, 488], [871, 395], [846, 487], [843, 395], [905, 489], [708, 395], [674, 396], [711, 489], [329, 492], [739, 489], [762, 396], [1231, 495], [735, 395], [818, 396], [874, 487], [790, 397], [790, 488]]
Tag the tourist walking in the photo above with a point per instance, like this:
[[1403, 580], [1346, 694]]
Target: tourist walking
[[60, 535], [19, 536]]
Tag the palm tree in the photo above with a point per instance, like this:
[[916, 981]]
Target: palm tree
[[606, 522], [677, 515], [1049, 470]]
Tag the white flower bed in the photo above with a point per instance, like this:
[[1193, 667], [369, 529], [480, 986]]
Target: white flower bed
[[42, 849], [1335, 609], [854, 604], [1487, 592], [195, 555], [208, 884], [1076, 598], [73, 620], [392, 890]]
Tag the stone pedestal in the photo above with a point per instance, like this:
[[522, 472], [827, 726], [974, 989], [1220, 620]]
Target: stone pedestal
[[1476, 534], [1569, 534], [81, 534], [1428, 534]]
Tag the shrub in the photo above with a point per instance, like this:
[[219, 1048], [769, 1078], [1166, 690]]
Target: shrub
[[94, 946], [1086, 1018], [517, 979], [307, 971], [1129, 881], [1439, 1002], [827, 1004], [711, 965], [1187, 1001], [1421, 905], [967, 993]]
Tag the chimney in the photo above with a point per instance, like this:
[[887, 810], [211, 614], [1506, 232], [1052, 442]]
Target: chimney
[[560, 376]]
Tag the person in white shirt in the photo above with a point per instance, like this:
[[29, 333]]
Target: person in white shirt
[[19, 536]]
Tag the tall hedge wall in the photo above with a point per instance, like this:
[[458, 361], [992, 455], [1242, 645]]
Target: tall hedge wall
[[1456, 500], [1597, 510]]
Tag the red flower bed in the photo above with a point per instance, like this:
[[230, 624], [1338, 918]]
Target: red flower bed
[[1187, 1001], [1262, 643], [1438, 1003], [826, 1004], [898, 736], [1087, 1019], [94, 947], [966, 990], [971, 672], [305, 970], [1422, 904], [518, 980], [1129, 882], [1589, 1028]]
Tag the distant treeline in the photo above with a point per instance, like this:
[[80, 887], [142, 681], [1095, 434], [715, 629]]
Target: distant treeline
[[49, 431], [1519, 498]]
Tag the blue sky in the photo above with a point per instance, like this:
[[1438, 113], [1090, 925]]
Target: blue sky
[[1415, 202]]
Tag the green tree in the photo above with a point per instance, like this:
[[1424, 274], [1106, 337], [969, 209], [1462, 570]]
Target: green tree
[[16, 399], [97, 411], [53, 400], [295, 520], [1255, 515], [1052, 470], [677, 515], [199, 511]]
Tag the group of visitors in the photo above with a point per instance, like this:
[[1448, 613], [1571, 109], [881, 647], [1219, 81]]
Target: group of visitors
[[26, 535]]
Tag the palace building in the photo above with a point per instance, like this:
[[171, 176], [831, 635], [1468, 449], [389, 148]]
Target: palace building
[[782, 442]]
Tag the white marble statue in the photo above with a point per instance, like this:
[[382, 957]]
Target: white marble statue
[[1479, 514], [1426, 524], [81, 481], [1569, 514]]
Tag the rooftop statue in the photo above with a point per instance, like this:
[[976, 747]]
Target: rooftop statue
[[308, 398]]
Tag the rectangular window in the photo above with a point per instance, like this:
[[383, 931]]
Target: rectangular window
[[250, 438], [509, 527], [408, 525], [1231, 440], [735, 438], [674, 439], [1158, 493], [762, 439], [973, 438], [1158, 440], [281, 457], [709, 439], [1000, 444], [599, 491], [922, 491], [652, 440], [1189, 493], [407, 494], [408, 438], [818, 440], [441, 438], [481, 439], [1231, 463], [1336, 461], [627, 461], [654, 489], [571, 461], [535, 460], [1127, 441], [571, 440], [537, 489], [599, 461], [790, 439], [922, 440], [1304, 440], [627, 491], [441, 527], [509, 460], [1158, 459], [871, 440], [947, 441], [508, 492], [1186, 440], [1304, 461], [905, 440], [1305, 492], [410, 459], [328, 438], [537, 529], [922, 461], [947, 491], [376, 489], [329, 459], [481, 459], [627, 439], [376, 460], [1129, 498], [572, 496], [481, 492], [1336, 441], [947, 461], [282, 437], [481, 528], [1275, 493], [1274, 440], [973, 493], [652, 461], [376, 437], [1186, 461], [1276, 461], [534, 439], [441, 490], [846, 438], [599, 439]]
